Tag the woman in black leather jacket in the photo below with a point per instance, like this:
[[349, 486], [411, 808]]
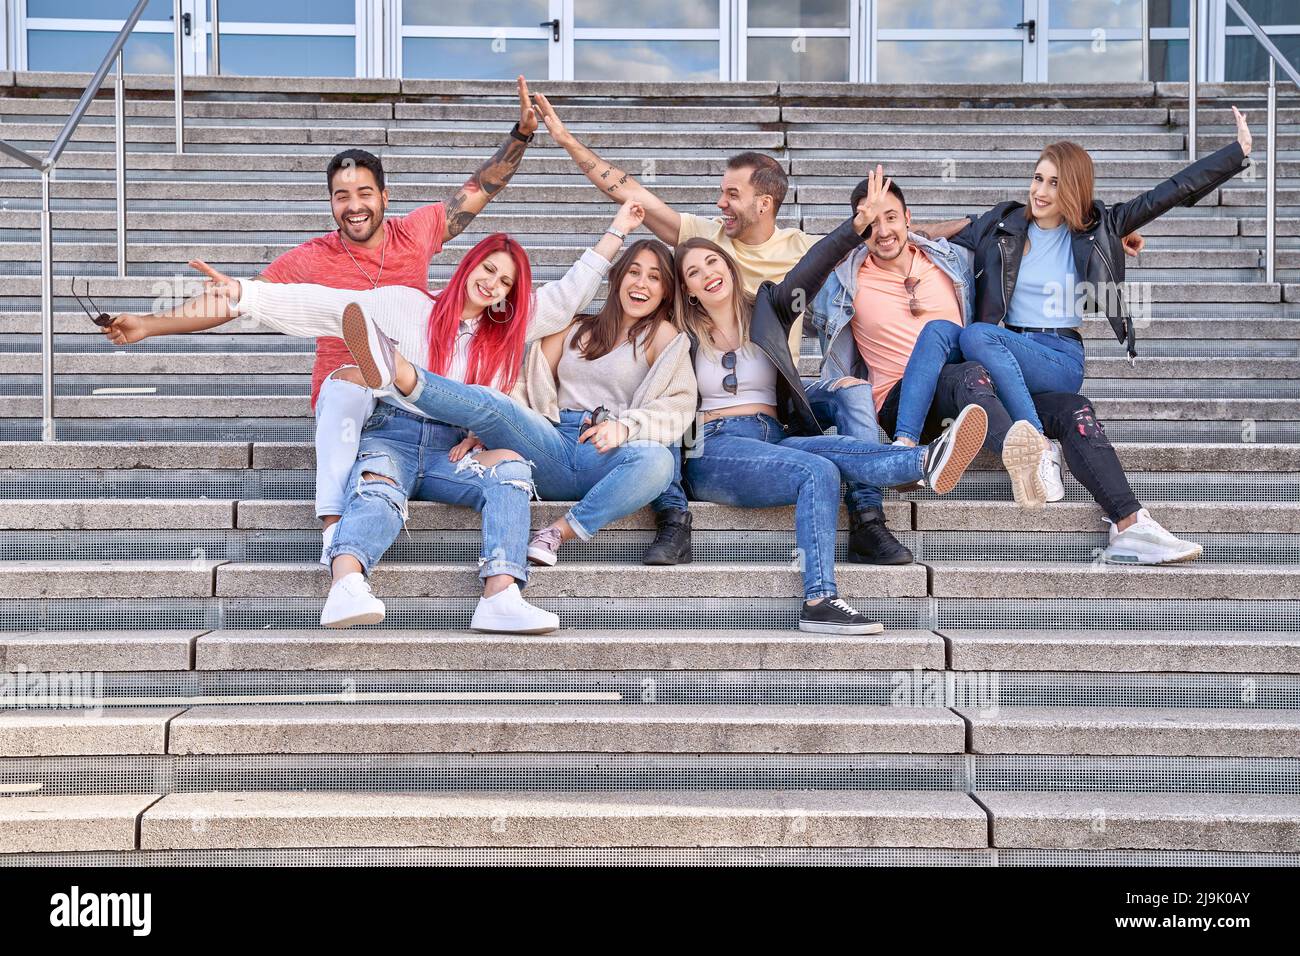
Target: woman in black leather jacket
[[1040, 267], [757, 442]]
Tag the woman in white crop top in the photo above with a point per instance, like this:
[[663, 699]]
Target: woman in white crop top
[[757, 442]]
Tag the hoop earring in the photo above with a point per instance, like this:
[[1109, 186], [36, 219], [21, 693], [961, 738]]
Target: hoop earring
[[690, 297], [508, 319]]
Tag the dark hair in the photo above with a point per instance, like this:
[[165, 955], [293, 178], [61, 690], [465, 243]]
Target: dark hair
[[767, 178], [860, 193], [598, 334], [351, 159]]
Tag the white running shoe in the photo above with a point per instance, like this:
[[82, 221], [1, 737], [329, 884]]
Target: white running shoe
[[1022, 455], [1146, 542], [351, 602], [326, 541], [508, 613], [371, 348], [1049, 472]]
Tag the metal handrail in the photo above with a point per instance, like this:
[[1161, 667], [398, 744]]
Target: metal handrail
[[46, 165], [1276, 59]]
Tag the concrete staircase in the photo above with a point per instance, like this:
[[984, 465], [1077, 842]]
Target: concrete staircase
[[1026, 705]]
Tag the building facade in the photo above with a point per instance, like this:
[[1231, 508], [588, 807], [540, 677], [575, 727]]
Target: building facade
[[989, 41]]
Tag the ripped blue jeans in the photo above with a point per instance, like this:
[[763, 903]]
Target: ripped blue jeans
[[412, 451]]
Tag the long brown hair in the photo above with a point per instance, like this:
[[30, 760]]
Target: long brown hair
[[1074, 184], [597, 334], [693, 317]]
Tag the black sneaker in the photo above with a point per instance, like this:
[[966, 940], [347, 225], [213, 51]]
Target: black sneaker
[[833, 616], [949, 455], [870, 542], [672, 543]]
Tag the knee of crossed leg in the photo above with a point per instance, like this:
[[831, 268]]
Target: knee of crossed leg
[[654, 463], [976, 336], [513, 472], [976, 379], [822, 475], [350, 374], [377, 480]]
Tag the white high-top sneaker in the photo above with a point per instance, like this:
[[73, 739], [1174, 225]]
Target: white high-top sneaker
[[507, 612], [327, 539], [1146, 542], [351, 602], [1049, 472]]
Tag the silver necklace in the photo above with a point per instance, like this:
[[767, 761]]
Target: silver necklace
[[383, 251]]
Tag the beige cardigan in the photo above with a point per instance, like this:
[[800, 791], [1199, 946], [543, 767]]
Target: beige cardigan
[[661, 409]]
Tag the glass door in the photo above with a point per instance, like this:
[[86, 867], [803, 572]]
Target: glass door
[[789, 40], [287, 37], [74, 35], [1091, 41], [668, 41], [942, 41], [480, 39]]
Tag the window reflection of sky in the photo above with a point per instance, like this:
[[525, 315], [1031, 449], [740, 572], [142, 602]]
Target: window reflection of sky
[[82, 51], [661, 14], [475, 13], [465, 58], [650, 61], [955, 61]]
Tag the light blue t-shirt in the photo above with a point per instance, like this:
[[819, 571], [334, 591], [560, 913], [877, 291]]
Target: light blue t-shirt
[[1045, 295]]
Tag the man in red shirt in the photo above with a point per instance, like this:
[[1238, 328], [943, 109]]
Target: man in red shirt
[[368, 251]]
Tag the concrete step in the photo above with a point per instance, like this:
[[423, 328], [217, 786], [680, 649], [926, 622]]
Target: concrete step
[[974, 579], [1176, 821], [983, 141], [46, 733], [896, 117], [1243, 651], [616, 818], [1067, 516], [238, 579], [107, 579], [978, 197], [93, 651], [43, 824], [38, 455], [551, 728], [1203, 732]]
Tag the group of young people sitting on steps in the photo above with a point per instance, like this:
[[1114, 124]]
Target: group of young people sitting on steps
[[951, 338]]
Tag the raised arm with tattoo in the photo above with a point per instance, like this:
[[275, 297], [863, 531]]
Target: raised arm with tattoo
[[490, 178], [616, 184]]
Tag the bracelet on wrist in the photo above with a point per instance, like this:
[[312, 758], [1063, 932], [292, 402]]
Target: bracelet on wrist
[[622, 236], [514, 131]]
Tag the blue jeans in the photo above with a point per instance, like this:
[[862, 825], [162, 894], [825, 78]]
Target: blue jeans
[[936, 346], [674, 497], [606, 485], [852, 411], [1024, 364], [748, 461], [412, 453]]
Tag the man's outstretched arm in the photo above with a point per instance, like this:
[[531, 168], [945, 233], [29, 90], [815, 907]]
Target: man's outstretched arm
[[664, 221], [490, 178]]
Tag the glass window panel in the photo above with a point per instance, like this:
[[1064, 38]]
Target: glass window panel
[[97, 9], [246, 55], [1169, 13], [285, 11], [1169, 61], [1090, 14], [1080, 61], [949, 61], [473, 58], [1269, 13], [1245, 59], [475, 13], [81, 51], [650, 61], [798, 13], [946, 15], [824, 59], [663, 14]]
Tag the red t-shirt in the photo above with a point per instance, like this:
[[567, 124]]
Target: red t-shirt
[[413, 240]]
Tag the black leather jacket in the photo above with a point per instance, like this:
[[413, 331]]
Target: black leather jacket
[[777, 306], [998, 240]]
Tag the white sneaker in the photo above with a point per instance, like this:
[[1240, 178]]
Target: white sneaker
[[326, 541], [1146, 542], [1049, 472], [1022, 456], [351, 602], [371, 348], [507, 612]]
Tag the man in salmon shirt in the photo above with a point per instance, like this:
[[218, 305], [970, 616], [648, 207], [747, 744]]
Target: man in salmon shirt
[[368, 251]]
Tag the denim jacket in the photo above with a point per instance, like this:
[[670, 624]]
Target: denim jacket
[[832, 309]]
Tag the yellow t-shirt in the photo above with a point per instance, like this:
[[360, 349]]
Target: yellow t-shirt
[[769, 260]]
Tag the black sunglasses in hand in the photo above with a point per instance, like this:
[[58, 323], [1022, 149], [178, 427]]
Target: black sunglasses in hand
[[103, 319]]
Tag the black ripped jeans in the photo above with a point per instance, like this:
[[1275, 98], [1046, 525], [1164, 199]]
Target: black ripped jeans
[[1067, 417]]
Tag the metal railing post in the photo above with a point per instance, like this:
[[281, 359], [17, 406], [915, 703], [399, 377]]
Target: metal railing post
[[1193, 63], [119, 116], [47, 311], [178, 71], [1270, 186], [1146, 40], [215, 28]]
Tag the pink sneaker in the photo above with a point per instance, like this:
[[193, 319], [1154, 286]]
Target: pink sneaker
[[544, 547]]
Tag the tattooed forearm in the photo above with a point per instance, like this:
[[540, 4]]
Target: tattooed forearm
[[488, 180]]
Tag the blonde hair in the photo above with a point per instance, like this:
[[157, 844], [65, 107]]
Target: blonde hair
[[1074, 184], [693, 317]]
